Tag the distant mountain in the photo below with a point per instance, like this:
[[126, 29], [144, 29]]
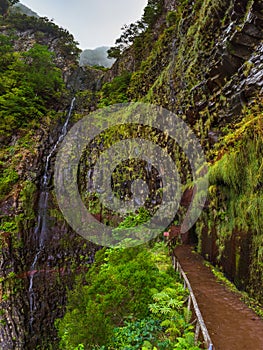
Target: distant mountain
[[96, 57], [24, 9]]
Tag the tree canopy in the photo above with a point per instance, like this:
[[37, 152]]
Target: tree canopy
[[29, 84], [134, 30]]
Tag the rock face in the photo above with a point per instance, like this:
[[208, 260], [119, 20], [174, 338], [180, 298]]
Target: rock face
[[35, 276], [36, 272], [203, 61], [85, 78]]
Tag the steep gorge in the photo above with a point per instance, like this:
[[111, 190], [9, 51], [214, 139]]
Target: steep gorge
[[201, 60]]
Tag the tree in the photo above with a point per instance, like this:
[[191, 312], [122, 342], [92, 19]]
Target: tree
[[152, 11], [13, 2], [30, 84], [41, 72], [130, 33], [4, 5], [133, 31], [114, 52]]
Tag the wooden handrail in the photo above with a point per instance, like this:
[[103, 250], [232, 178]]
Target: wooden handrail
[[200, 325]]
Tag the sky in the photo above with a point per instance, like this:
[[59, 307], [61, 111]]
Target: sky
[[93, 23]]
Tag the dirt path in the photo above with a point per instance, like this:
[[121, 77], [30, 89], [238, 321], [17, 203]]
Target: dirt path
[[230, 323]]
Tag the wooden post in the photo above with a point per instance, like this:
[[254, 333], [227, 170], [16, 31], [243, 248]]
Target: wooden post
[[197, 331], [189, 309], [189, 303]]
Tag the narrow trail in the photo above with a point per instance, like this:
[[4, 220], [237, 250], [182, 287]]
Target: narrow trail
[[230, 323]]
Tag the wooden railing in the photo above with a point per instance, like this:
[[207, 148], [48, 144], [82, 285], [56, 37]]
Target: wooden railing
[[192, 303]]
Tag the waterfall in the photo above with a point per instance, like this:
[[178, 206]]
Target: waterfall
[[47, 173], [40, 232]]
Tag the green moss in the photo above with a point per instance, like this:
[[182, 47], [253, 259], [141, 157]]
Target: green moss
[[171, 18], [239, 176], [114, 91], [236, 196], [151, 68], [8, 177], [7, 225], [28, 197]]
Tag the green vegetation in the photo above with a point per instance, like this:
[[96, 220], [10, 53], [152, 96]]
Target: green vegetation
[[29, 83], [32, 94], [41, 27], [31, 89], [115, 91], [5, 5], [135, 31], [8, 177], [132, 299], [172, 71], [236, 198], [241, 185], [132, 221]]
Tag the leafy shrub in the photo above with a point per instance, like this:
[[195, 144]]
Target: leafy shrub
[[131, 222], [115, 91], [169, 307], [105, 302], [133, 335], [127, 303]]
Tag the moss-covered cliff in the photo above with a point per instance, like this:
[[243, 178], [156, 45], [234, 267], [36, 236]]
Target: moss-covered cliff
[[37, 84], [201, 60]]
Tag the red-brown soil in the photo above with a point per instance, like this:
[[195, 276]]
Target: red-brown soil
[[230, 323]]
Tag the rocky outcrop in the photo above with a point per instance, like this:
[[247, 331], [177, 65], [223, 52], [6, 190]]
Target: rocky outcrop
[[85, 78]]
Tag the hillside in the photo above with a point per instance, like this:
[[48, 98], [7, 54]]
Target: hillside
[[96, 57], [24, 10], [200, 60]]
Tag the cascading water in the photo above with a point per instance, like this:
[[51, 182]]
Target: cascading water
[[40, 232]]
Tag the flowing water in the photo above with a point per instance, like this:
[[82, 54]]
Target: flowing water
[[41, 229]]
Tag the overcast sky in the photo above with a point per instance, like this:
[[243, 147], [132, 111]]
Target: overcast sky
[[92, 22]]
